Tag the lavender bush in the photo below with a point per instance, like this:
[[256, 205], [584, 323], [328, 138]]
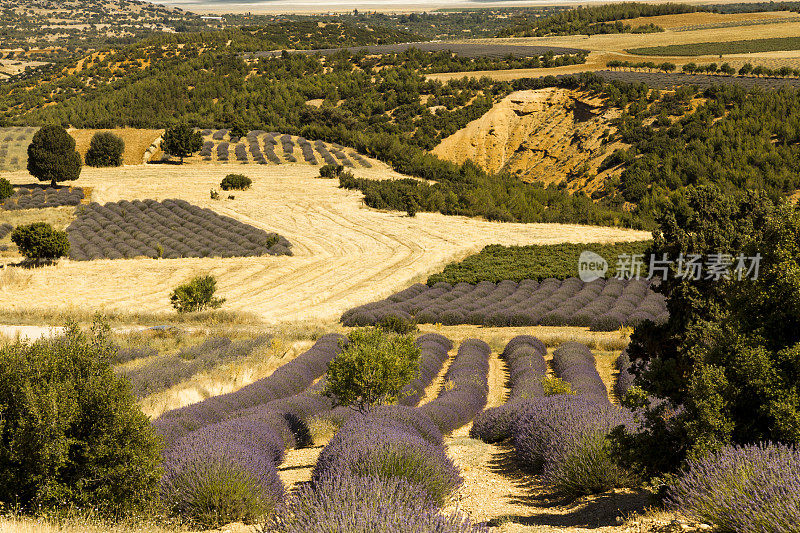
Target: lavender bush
[[383, 447], [168, 229], [366, 504], [167, 370], [565, 438], [291, 378], [524, 356], [433, 353], [465, 390], [220, 487], [575, 364], [744, 489]]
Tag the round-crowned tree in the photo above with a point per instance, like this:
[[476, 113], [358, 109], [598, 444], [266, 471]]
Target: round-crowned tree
[[372, 369], [40, 241], [52, 156], [181, 141], [105, 150]]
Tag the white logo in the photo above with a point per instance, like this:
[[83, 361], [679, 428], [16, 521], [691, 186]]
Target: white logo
[[591, 266]]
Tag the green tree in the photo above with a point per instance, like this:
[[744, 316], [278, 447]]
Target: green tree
[[725, 367], [52, 156], [40, 241], [71, 433], [181, 141], [105, 150], [372, 369], [196, 295], [6, 189], [238, 130]]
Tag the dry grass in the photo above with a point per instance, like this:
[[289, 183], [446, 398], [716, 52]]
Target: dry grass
[[136, 142], [344, 253], [21, 524]]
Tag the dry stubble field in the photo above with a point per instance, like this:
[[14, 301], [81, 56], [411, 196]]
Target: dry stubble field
[[345, 254]]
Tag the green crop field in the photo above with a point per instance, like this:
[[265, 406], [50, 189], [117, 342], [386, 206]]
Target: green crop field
[[496, 263], [718, 48]]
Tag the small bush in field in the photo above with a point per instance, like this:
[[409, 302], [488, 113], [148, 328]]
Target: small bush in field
[[197, 295], [105, 150], [745, 489], [6, 190], [72, 434], [397, 324], [39, 241], [372, 369], [330, 171], [237, 182]]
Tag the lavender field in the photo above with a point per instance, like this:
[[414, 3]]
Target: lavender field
[[601, 305]]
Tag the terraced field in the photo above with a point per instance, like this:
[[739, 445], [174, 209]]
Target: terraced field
[[344, 254]]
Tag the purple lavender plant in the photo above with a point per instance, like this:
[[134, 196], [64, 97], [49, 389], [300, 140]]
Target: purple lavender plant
[[564, 438], [745, 489], [387, 448], [365, 504], [466, 387]]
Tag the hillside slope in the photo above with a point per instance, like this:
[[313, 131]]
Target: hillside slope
[[549, 135]]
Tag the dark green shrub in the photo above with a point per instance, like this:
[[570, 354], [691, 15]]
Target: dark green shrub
[[52, 156], [399, 325], [105, 150], [6, 190], [330, 171], [197, 295], [39, 241], [237, 182], [71, 433]]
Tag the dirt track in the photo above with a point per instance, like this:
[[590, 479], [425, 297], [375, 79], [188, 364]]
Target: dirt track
[[345, 253]]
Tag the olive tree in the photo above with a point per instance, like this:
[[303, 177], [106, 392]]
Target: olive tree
[[372, 369]]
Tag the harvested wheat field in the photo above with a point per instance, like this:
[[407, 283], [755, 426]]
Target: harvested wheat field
[[345, 254]]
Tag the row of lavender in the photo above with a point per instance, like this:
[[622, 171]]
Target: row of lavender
[[388, 470], [39, 198], [168, 229], [602, 305], [262, 149], [562, 437], [239, 438]]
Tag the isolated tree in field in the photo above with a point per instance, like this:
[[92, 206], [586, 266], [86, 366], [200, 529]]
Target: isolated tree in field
[[372, 369], [40, 241], [105, 150], [72, 434], [197, 295], [181, 141], [52, 156]]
